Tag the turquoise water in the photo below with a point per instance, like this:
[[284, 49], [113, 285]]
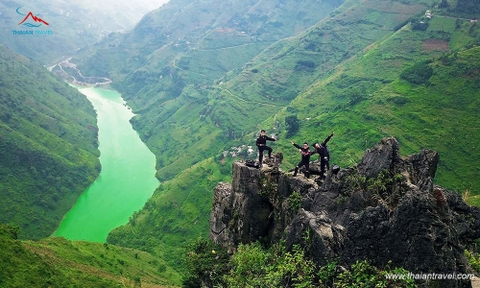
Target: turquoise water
[[126, 181]]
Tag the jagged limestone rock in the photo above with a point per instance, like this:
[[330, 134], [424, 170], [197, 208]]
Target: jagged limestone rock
[[240, 214], [222, 207], [386, 209], [381, 157]]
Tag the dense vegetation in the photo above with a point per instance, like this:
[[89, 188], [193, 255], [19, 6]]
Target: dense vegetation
[[56, 262], [467, 8], [166, 66], [48, 146], [256, 266]]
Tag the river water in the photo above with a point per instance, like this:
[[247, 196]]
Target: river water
[[126, 181]]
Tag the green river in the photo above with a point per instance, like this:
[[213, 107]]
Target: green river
[[126, 181]]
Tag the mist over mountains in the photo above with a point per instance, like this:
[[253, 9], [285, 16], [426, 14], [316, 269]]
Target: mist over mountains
[[72, 24]]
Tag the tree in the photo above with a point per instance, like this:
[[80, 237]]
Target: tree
[[443, 4], [292, 124], [418, 73]]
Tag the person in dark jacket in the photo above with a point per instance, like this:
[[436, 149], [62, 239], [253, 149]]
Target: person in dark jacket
[[262, 146], [324, 155], [306, 153]]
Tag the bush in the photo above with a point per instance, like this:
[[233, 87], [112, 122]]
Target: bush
[[254, 266], [248, 266], [362, 274], [305, 65], [206, 263], [474, 260], [419, 24]]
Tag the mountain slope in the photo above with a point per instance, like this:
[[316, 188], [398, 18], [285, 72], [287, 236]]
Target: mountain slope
[[48, 146], [187, 33], [369, 97], [56, 262]]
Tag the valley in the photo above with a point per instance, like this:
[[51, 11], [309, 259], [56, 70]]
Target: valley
[[198, 80], [126, 180]]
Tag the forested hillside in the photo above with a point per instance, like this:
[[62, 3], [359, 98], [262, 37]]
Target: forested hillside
[[421, 86], [48, 146]]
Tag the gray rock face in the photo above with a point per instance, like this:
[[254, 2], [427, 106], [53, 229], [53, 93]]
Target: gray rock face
[[387, 208], [239, 214]]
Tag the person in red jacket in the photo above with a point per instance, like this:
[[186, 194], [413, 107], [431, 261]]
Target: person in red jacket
[[306, 153], [262, 145]]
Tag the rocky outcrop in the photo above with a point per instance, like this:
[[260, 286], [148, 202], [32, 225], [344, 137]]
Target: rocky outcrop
[[386, 209]]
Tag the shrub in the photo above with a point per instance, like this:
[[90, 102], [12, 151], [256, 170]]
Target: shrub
[[248, 266], [305, 65], [254, 266], [362, 274], [474, 260], [206, 263], [418, 73], [419, 24]]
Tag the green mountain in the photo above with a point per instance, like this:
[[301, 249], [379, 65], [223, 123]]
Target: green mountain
[[367, 70], [56, 262], [48, 146], [421, 86]]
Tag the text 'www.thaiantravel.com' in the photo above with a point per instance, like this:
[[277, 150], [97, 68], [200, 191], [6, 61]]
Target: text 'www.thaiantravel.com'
[[429, 276]]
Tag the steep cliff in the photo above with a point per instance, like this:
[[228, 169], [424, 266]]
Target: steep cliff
[[385, 208]]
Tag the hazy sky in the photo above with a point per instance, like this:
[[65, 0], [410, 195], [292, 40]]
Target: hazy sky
[[126, 12], [73, 23], [134, 10]]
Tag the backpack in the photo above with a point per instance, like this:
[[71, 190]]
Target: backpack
[[251, 163]]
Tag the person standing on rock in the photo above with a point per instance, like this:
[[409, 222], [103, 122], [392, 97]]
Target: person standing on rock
[[262, 146], [324, 155], [306, 153]]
